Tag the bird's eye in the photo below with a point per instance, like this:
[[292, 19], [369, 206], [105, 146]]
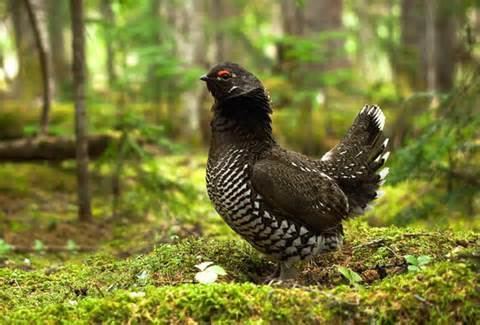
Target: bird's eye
[[224, 74]]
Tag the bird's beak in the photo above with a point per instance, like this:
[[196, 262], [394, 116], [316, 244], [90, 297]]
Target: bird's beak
[[204, 77]]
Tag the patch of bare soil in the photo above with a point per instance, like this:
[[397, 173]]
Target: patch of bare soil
[[85, 235]]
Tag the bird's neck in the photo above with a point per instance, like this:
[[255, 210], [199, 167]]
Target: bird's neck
[[243, 119]]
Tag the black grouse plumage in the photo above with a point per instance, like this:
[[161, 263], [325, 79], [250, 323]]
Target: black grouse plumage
[[287, 205]]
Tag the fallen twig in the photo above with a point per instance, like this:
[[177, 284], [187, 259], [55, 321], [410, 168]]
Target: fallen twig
[[375, 242], [393, 252], [425, 301], [51, 249], [99, 290], [418, 234]]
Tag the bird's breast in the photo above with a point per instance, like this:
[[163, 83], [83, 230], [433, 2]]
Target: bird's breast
[[228, 184]]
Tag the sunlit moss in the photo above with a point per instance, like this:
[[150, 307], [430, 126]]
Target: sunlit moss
[[444, 292], [159, 285]]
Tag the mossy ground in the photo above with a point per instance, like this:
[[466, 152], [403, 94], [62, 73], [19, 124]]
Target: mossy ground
[[143, 266]]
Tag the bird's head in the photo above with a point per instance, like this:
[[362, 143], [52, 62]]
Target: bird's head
[[229, 80]]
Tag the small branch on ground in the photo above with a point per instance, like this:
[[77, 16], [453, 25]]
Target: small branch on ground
[[51, 249], [376, 242]]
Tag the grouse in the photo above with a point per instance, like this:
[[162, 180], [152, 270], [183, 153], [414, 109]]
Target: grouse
[[287, 205]]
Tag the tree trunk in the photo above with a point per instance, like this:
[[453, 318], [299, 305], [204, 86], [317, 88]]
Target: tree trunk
[[191, 45], [78, 47], [411, 61], [428, 43], [292, 24], [28, 79], [44, 65], [309, 20], [154, 82], [425, 59], [322, 16], [61, 70], [430, 46], [446, 45], [325, 16], [109, 24], [226, 49]]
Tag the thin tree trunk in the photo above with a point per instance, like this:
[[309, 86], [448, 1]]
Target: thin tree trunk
[[109, 16], [117, 172], [430, 42], [223, 13], [428, 45], [25, 85], [410, 62], [219, 12], [61, 69], [309, 20], [191, 46], [78, 46], [44, 65], [447, 21], [154, 83]]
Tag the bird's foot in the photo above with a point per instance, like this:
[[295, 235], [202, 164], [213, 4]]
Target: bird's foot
[[284, 273]]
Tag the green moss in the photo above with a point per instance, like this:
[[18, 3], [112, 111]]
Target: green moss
[[160, 285], [446, 292]]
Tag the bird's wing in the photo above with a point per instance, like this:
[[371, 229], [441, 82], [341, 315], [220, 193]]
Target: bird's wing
[[306, 195]]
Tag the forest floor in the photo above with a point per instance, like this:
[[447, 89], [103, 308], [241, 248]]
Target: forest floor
[[140, 265]]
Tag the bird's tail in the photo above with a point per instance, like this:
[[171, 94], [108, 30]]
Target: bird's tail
[[355, 163]]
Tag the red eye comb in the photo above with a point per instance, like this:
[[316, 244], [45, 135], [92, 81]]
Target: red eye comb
[[223, 73]]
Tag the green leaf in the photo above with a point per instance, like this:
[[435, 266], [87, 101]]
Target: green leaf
[[424, 260], [71, 245], [206, 277], [412, 260], [413, 268], [143, 276], [217, 269], [352, 276], [4, 247], [208, 272], [202, 266], [38, 245]]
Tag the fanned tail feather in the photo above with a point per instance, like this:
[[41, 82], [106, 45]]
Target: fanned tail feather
[[357, 160]]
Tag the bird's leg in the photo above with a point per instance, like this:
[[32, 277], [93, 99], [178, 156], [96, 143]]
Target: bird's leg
[[274, 276], [284, 272], [287, 271]]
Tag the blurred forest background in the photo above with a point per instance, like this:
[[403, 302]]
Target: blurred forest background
[[148, 114], [104, 130]]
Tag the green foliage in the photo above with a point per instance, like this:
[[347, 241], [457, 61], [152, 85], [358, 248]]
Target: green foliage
[[353, 277], [208, 272], [151, 186], [71, 245], [4, 248], [444, 157], [38, 246], [417, 263]]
